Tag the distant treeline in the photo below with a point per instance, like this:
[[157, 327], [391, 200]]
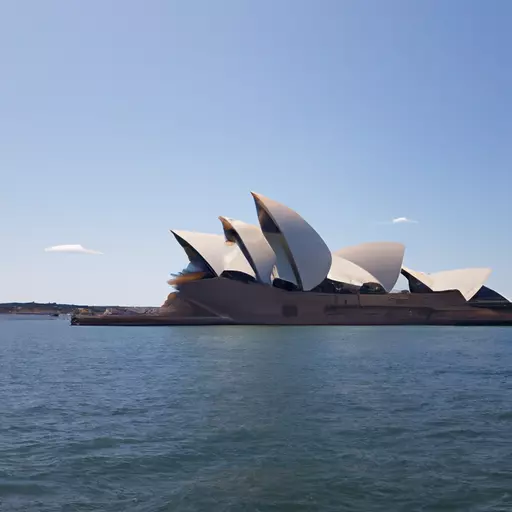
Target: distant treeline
[[53, 307]]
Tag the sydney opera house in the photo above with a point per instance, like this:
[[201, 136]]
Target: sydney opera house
[[281, 272]]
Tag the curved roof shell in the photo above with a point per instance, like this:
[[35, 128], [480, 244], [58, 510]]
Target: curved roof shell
[[253, 245], [235, 260], [293, 241], [344, 271], [213, 251], [383, 260], [467, 280], [418, 281]]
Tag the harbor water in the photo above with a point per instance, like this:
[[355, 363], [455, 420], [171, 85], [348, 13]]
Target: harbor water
[[233, 418]]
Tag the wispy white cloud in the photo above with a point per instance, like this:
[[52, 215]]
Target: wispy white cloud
[[403, 220], [72, 249], [399, 220]]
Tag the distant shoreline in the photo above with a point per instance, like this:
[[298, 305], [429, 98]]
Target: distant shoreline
[[54, 309], [39, 308]]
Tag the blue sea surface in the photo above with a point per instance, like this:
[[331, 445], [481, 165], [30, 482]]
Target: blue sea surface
[[254, 418]]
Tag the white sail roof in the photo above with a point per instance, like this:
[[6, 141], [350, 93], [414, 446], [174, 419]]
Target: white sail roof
[[422, 277], [235, 260], [383, 260], [344, 271], [295, 243], [213, 250], [253, 245], [467, 280]]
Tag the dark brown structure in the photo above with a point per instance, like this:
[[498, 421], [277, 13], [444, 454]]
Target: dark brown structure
[[227, 301]]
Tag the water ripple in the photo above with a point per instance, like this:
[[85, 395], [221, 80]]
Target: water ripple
[[254, 419]]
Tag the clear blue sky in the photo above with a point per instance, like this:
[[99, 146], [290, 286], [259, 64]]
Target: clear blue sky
[[122, 119]]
